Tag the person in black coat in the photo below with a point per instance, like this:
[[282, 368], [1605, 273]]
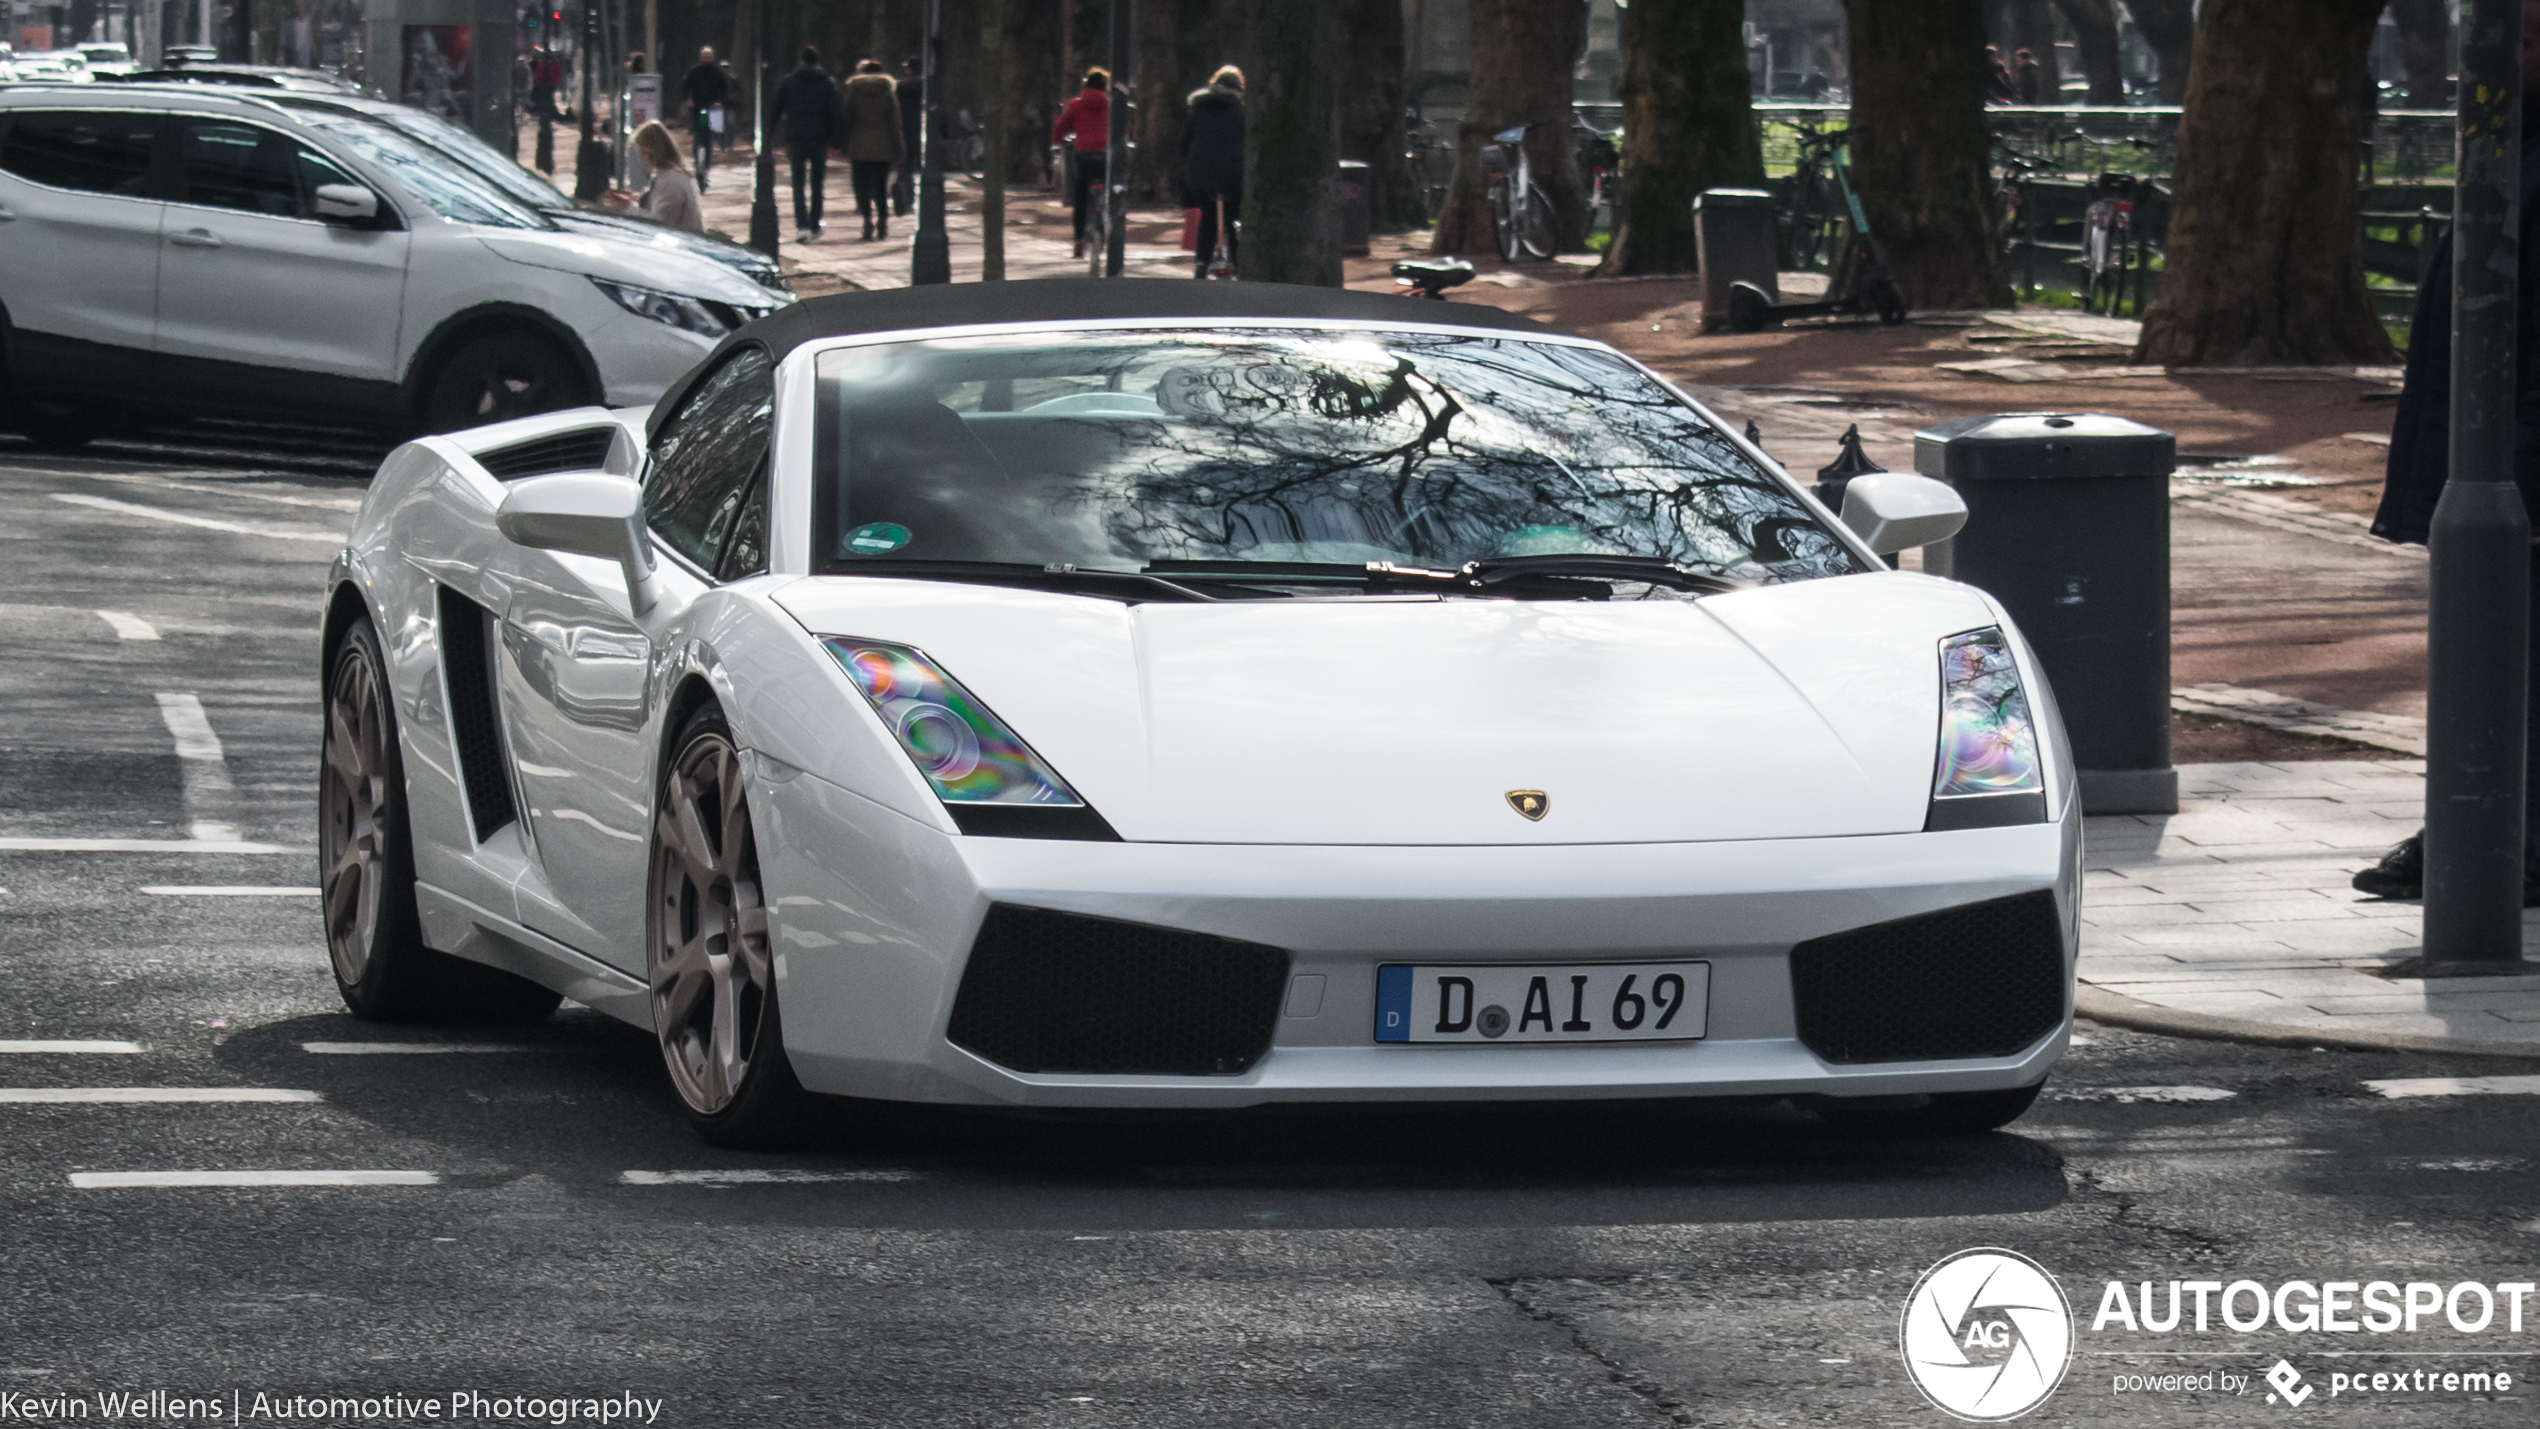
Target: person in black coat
[[1213, 158], [2421, 459], [806, 113]]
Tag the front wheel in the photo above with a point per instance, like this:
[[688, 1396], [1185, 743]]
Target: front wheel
[[707, 953], [1503, 223], [1535, 236], [496, 376]]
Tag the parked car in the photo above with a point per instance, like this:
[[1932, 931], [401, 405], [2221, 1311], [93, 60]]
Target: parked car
[[193, 247], [1099, 694], [303, 81], [51, 67], [108, 59], [526, 187]]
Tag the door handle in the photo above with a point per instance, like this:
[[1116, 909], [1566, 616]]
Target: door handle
[[195, 238], [5, 213]]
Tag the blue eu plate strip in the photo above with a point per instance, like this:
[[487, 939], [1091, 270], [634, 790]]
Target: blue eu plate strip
[[1393, 1003]]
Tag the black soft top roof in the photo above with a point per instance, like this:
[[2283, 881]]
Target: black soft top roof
[[1061, 300]]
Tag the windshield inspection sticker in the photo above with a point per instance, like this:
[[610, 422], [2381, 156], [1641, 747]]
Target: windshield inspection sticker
[[876, 538]]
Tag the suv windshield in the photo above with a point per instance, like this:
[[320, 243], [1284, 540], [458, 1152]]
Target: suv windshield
[[1271, 453], [431, 178], [521, 186]]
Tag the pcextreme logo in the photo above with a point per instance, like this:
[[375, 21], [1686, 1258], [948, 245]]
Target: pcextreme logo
[[1987, 1335]]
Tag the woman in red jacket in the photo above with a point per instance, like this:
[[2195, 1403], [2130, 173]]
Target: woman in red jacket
[[1088, 117]]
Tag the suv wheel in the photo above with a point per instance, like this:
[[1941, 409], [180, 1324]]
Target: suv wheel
[[496, 376]]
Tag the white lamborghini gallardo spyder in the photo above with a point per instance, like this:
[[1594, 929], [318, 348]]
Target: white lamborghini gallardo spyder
[[1192, 695]]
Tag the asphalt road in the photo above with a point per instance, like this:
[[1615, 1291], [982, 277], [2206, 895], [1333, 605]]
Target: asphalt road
[[565, 1236]]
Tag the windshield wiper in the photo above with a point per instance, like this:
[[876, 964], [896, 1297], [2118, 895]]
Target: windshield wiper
[[1131, 586], [1374, 573], [1495, 571]]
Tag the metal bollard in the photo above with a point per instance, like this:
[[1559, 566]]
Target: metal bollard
[[2068, 525]]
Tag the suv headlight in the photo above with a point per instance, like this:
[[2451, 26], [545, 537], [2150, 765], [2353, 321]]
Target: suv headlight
[[702, 316], [962, 748], [1989, 773]]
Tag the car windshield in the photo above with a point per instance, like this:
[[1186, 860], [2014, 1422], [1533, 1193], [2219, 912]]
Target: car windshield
[[431, 178], [1116, 451], [520, 185]]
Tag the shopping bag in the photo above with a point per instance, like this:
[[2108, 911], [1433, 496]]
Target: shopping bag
[[1190, 230], [714, 119]]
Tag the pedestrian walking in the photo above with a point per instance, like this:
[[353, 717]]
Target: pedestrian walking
[[1997, 77], [546, 75], [1213, 161], [1087, 118], [705, 91], [807, 113], [873, 143], [2421, 462], [2027, 80], [912, 95], [671, 199]]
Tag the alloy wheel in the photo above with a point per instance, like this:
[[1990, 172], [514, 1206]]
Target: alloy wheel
[[354, 792], [711, 973]]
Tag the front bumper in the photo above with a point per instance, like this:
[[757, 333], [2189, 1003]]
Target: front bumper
[[874, 915]]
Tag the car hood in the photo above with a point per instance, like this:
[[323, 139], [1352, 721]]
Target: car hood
[[747, 261], [1799, 711], [607, 255]]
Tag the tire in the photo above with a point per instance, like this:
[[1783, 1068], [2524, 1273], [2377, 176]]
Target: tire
[[366, 870], [1947, 1114], [498, 375], [1536, 236], [1885, 299], [1503, 228], [708, 961]]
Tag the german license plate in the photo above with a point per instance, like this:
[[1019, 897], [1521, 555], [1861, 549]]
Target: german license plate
[[1603, 1002]]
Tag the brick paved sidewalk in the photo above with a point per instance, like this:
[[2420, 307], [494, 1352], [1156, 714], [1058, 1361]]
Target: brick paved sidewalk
[[2238, 907]]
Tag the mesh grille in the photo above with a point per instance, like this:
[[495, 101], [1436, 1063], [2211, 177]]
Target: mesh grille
[[1059, 992], [584, 450], [471, 675], [1986, 980]]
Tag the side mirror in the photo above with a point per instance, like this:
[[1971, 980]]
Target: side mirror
[[584, 513], [1896, 510], [347, 203]]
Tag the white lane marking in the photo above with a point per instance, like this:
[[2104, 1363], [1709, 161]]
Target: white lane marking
[[121, 1180], [149, 1096], [204, 764], [30, 845], [129, 626], [759, 1177], [224, 890], [2458, 1086], [230, 487], [367, 1049], [2139, 1094], [37, 1048], [208, 523]]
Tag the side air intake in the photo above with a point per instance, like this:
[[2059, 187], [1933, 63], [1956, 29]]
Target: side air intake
[[584, 449], [467, 664], [1983, 980]]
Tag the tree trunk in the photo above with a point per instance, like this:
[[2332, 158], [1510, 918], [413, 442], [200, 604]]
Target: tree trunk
[[1922, 155], [1153, 175], [1371, 113], [994, 87], [2265, 260], [2094, 25], [2033, 30], [1687, 126], [1292, 141], [1521, 53], [2425, 33], [2169, 27]]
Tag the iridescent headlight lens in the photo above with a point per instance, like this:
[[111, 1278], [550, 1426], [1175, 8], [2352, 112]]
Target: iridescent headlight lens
[[1988, 742], [962, 748]]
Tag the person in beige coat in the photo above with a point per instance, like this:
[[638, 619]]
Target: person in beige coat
[[871, 141], [671, 200]]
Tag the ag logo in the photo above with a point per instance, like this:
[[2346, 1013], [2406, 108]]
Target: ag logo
[[1987, 1335]]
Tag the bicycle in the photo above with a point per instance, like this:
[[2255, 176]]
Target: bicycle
[[1221, 263], [1872, 288], [2014, 209], [1598, 159], [2107, 243], [1812, 232], [1431, 158], [1520, 211]]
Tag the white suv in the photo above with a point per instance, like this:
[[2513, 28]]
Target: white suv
[[172, 248]]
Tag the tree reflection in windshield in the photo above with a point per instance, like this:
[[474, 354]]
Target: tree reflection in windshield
[[1114, 449]]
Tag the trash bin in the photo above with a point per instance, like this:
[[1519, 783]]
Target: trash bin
[[2068, 525], [1735, 241], [1356, 210]]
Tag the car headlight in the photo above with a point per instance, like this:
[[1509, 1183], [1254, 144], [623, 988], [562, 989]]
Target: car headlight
[[1989, 773], [962, 748], [703, 316]]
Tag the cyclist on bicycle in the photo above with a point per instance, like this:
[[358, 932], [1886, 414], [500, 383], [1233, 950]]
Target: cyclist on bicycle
[[1088, 118], [1213, 162]]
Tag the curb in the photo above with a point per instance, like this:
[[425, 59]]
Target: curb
[[2115, 1009]]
